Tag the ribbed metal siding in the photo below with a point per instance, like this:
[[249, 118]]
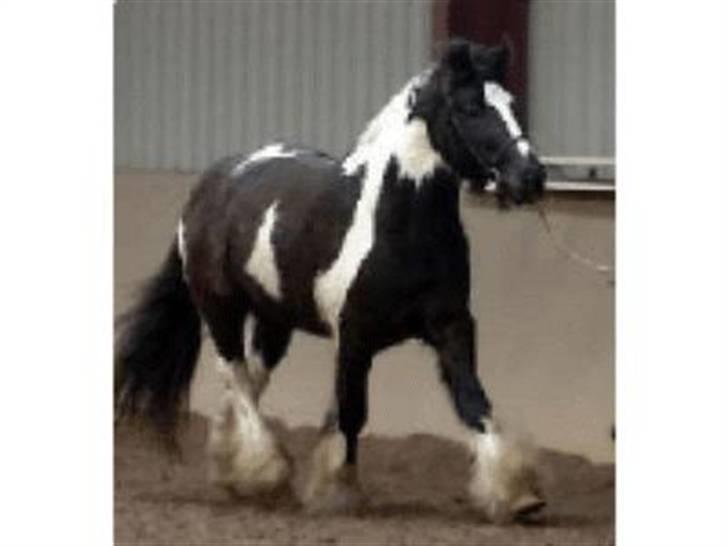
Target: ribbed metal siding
[[571, 77], [197, 80]]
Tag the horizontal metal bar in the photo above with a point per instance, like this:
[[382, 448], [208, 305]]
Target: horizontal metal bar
[[572, 186], [579, 185], [578, 161]]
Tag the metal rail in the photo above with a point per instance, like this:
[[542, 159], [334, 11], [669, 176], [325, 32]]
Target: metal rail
[[576, 184], [578, 161], [573, 186]]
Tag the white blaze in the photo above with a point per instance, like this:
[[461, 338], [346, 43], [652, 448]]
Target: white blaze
[[261, 264], [501, 100]]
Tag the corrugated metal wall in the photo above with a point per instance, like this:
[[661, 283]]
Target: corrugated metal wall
[[197, 80], [571, 77]]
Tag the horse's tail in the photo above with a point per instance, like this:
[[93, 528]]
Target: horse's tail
[[157, 347]]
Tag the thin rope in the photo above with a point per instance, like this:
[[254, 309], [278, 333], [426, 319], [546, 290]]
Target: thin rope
[[557, 242], [569, 252]]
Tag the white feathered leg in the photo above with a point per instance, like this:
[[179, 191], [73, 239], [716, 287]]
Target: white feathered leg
[[504, 482], [331, 485], [245, 455]]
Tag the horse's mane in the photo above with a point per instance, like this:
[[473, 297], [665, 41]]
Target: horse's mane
[[391, 114]]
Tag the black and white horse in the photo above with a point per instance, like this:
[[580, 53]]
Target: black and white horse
[[369, 252]]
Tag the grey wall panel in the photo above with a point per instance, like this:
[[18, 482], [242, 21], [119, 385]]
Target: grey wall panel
[[197, 80], [122, 96], [571, 75]]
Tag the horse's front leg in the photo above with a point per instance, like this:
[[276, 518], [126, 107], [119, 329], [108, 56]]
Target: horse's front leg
[[332, 484], [503, 482]]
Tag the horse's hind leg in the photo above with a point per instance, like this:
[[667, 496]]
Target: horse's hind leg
[[245, 455]]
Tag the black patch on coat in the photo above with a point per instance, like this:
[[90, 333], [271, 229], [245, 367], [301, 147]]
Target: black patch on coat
[[419, 260], [316, 203]]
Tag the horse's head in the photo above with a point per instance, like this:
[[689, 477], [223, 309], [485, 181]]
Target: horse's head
[[470, 120]]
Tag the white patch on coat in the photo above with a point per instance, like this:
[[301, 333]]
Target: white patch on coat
[[257, 371], [503, 480], [271, 151], [245, 455], [501, 100], [181, 245], [389, 135], [261, 264]]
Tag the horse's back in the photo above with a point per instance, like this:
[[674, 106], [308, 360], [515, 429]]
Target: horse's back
[[289, 203]]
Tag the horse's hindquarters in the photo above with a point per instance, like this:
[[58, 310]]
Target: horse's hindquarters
[[265, 233]]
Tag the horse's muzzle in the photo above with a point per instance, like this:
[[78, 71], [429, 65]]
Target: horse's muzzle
[[534, 180]]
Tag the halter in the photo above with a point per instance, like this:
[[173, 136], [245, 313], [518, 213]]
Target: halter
[[493, 173], [491, 168]]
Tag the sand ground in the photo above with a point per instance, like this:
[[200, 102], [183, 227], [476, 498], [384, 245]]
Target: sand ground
[[415, 487]]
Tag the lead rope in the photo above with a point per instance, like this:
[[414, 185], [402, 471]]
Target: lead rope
[[569, 252], [494, 173]]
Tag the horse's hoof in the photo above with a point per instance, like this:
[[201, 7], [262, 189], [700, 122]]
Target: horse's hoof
[[331, 485], [341, 495], [528, 508], [505, 485], [247, 465], [269, 478]]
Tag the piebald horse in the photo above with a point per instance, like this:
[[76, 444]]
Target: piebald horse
[[369, 251]]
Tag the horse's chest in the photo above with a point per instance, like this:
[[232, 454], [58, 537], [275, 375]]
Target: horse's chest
[[405, 271], [389, 257], [428, 265]]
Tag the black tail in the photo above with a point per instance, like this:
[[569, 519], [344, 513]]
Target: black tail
[[157, 346]]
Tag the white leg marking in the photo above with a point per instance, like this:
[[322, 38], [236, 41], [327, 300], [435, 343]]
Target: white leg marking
[[328, 457], [246, 458], [331, 485], [389, 135], [501, 100], [257, 372], [503, 481], [261, 264]]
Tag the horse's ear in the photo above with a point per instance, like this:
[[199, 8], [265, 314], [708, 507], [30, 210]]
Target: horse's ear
[[501, 61], [492, 62], [457, 57]]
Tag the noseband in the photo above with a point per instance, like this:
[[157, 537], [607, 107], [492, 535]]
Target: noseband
[[491, 168]]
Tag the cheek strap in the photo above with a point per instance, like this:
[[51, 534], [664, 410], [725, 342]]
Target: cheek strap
[[491, 169]]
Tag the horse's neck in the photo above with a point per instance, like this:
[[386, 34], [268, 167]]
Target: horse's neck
[[392, 138], [391, 133], [406, 143], [402, 158]]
